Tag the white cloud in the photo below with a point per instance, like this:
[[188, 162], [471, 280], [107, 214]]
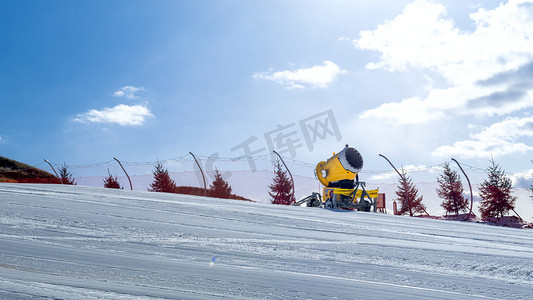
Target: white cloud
[[508, 129], [124, 115], [481, 148], [473, 63], [409, 38], [409, 111], [2, 140], [128, 92], [496, 140], [523, 179], [316, 76]]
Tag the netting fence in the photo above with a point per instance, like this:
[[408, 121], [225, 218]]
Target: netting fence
[[250, 178]]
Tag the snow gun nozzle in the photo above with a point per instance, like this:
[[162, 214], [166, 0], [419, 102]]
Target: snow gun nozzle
[[351, 159]]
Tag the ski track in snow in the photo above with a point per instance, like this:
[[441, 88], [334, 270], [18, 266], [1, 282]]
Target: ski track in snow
[[73, 242]]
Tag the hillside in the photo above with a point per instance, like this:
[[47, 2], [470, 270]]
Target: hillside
[[197, 191], [14, 171], [75, 242]]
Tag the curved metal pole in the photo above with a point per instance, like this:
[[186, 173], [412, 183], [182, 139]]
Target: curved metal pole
[[470, 186], [391, 165], [517, 214], [292, 180], [404, 183], [54, 171], [404, 186], [205, 185], [131, 186]]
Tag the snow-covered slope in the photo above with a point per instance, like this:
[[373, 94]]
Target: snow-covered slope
[[73, 242]]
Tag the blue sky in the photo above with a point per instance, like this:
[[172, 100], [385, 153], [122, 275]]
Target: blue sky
[[419, 81]]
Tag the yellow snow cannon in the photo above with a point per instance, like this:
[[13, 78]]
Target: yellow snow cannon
[[341, 168], [342, 188]]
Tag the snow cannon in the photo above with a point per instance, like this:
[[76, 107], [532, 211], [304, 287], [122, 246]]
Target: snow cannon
[[342, 188], [341, 169]]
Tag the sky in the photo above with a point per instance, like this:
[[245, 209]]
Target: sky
[[419, 81]]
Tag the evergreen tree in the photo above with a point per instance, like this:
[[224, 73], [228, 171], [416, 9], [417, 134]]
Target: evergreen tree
[[495, 192], [220, 188], [281, 187], [162, 181], [111, 182], [66, 176], [451, 191], [531, 189], [410, 202]]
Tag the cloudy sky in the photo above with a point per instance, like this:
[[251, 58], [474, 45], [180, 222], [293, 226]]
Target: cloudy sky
[[418, 81]]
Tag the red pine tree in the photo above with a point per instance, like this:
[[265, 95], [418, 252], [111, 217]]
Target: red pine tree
[[451, 191], [531, 189], [66, 176], [281, 189], [162, 181], [410, 202], [495, 191], [220, 188], [111, 182]]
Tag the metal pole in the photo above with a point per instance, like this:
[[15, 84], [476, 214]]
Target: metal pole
[[205, 185], [54, 171], [469, 185], [391, 165], [292, 180], [517, 214], [131, 186], [404, 185]]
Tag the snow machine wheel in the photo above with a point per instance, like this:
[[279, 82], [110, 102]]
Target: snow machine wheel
[[313, 203], [328, 204], [366, 208]]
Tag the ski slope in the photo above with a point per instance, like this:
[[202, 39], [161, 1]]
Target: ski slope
[[73, 242]]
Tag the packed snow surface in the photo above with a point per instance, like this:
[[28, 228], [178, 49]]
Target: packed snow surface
[[72, 242]]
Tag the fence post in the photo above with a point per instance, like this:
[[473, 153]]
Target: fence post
[[292, 180], [54, 170], [131, 186], [202, 172], [469, 185], [404, 185]]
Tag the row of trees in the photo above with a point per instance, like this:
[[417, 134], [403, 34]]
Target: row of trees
[[66, 178], [219, 188], [495, 192], [281, 189], [163, 183]]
